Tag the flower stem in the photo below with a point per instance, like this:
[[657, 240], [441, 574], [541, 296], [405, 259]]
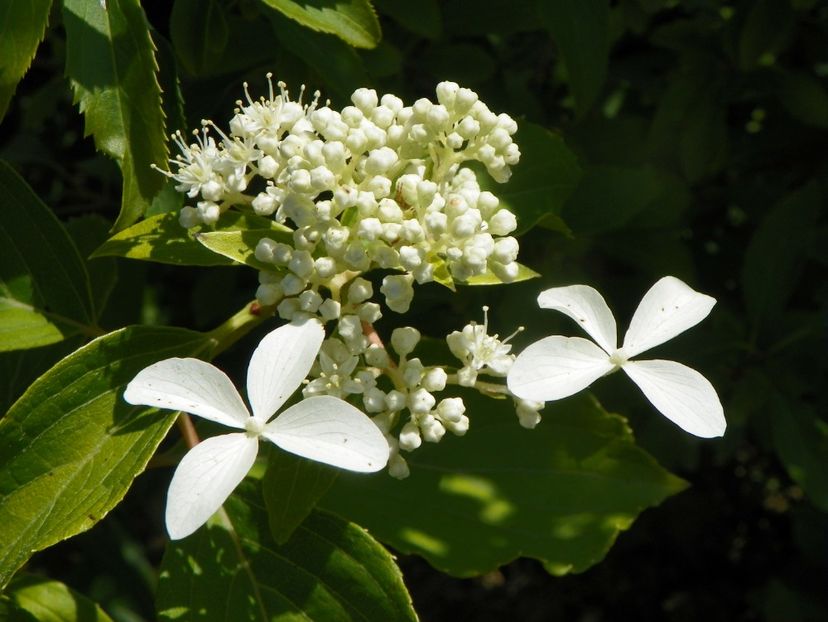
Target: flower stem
[[238, 325], [188, 431]]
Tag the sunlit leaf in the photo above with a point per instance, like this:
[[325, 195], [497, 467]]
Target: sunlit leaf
[[22, 26], [110, 61], [52, 601], [353, 21], [560, 493], [70, 446], [329, 570]]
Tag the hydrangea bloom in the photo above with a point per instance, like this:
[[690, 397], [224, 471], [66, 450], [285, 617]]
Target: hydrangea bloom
[[556, 367], [321, 428]]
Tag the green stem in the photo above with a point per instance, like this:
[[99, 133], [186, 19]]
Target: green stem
[[483, 387], [238, 325]]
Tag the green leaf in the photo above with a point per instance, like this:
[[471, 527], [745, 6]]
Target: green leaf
[[44, 287], [162, 239], [560, 493], [110, 62], [52, 601], [70, 446], [291, 487], [22, 26], [581, 30], [330, 570], [801, 440], [765, 32], [353, 21], [199, 33], [490, 278], [88, 232], [466, 18], [611, 197], [805, 97], [338, 65], [240, 246], [776, 254], [422, 17], [542, 181]]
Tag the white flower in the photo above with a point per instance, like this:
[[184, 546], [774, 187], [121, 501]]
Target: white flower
[[556, 367], [480, 351], [324, 428]]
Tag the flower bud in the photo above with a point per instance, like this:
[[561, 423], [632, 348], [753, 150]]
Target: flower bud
[[404, 340]]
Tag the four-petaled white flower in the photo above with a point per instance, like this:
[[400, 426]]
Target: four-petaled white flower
[[556, 367], [322, 428]]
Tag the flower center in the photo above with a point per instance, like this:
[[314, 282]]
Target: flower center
[[618, 358], [253, 427]]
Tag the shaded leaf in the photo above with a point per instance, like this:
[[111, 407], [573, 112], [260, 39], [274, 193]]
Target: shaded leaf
[[765, 31], [776, 254], [291, 487], [353, 21], [330, 570], [199, 33], [52, 601], [581, 30], [422, 18], [22, 26], [110, 62], [44, 287], [801, 440], [542, 181], [70, 446], [560, 493], [88, 232], [805, 97]]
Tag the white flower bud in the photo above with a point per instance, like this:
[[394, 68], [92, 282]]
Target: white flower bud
[[356, 141], [437, 118], [365, 99], [459, 427], [527, 412], [389, 211], [209, 212], [398, 467], [395, 400], [410, 257], [398, 291], [189, 217], [322, 178], [412, 372], [468, 128], [369, 312], [505, 272], [292, 284], [434, 379], [374, 400], [325, 267], [359, 291], [412, 231], [330, 309], [437, 222], [505, 250], [268, 167], [376, 356], [301, 264], [379, 186], [503, 222], [382, 116], [451, 409], [466, 376], [309, 301], [212, 190], [392, 102], [264, 204], [432, 429], [464, 100], [380, 160], [349, 328], [264, 250], [369, 228], [336, 240], [269, 294], [352, 116], [334, 154], [300, 181], [404, 340], [420, 401], [288, 308], [410, 437], [356, 258]]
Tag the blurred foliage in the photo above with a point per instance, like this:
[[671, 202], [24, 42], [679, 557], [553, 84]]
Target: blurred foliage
[[699, 132]]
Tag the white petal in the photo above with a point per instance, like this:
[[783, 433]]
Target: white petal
[[330, 430], [190, 385], [588, 308], [669, 308], [681, 394], [557, 367], [204, 479], [279, 365]]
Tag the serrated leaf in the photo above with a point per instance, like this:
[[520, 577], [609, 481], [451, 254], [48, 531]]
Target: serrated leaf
[[581, 31], [801, 440], [353, 21], [70, 446], [291, 486], [44, 286], [542, 181], [162, 239], [560, 493], [22, 26], [199, 33], [490, 278], [231, 569], [776, 254], [110, 62], [52, 601]]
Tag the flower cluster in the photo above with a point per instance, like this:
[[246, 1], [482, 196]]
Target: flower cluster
[[375, 185]]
